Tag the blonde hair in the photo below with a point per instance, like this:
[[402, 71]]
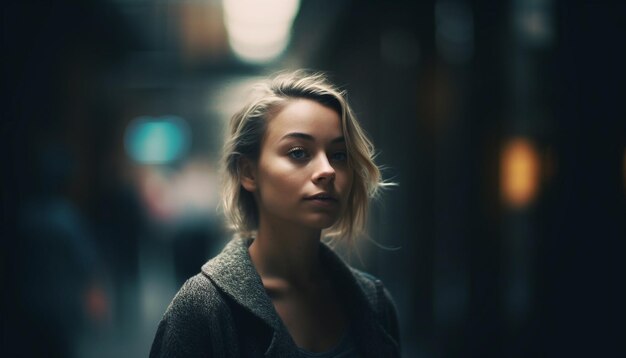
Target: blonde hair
[[244, 138]]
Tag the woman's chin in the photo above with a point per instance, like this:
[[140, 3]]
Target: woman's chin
[[322, 223]]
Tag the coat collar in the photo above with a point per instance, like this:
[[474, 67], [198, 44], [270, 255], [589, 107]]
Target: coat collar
[[233, 272]]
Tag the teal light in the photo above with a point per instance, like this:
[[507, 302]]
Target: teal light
[[159, 140]]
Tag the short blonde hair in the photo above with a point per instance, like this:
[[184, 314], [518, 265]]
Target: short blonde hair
[[244, 139]]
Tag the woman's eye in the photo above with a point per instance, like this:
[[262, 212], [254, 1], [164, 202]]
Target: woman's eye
[[297, 153], [339, 156]]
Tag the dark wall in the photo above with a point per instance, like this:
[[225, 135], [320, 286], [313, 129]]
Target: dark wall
[[472, 276]]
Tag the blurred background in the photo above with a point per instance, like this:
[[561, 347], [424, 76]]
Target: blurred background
[[502, 121]]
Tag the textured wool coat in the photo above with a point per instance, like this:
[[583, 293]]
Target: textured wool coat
[[224, 311]]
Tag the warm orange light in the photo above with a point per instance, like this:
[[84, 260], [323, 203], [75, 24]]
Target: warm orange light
[[519, 172], [96, 302]]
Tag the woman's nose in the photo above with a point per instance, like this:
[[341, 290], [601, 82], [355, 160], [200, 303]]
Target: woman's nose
[[323, 170]]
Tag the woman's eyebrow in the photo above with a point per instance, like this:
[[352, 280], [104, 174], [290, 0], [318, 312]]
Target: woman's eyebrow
[[298, 135], [309, 137]]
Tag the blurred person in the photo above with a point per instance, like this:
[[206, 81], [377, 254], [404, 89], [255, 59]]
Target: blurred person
[[60, 291], [298, 169]]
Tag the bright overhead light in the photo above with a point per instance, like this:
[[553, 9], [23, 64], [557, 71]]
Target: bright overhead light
[[254, 52], [265, 34], [261, 11], [259, 30]]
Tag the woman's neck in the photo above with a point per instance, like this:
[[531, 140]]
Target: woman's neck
[[286, 253]]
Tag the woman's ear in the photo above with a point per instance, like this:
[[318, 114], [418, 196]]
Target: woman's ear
[[247, 174]]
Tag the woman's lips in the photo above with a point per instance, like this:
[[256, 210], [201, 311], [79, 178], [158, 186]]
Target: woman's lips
[[322, 196], [322, 200]]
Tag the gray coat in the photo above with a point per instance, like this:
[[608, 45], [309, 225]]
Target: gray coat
[[224, 311]]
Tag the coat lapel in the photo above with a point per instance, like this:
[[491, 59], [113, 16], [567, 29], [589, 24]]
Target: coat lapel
[[232, 271]]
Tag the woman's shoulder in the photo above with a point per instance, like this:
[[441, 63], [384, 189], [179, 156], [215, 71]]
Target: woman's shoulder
[[369, 283], [373, 286], [198, 296], [202, 294], [363, 276], [370, 286], [191, 323], [380, 300]]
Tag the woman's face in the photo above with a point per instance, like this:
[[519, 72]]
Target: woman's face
[[302, 176]]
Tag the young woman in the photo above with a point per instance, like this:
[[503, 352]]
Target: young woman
[[297, 168]]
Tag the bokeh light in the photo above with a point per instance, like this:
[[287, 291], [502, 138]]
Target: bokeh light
[[259, 30], [519, 172], [157, 140]]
